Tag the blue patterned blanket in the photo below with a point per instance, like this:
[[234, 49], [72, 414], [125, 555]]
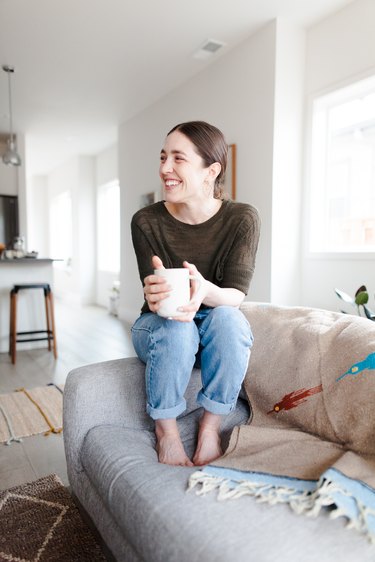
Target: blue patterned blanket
[[310, 439]]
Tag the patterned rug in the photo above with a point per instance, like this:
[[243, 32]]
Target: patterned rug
[[29, 412], [39, 522]]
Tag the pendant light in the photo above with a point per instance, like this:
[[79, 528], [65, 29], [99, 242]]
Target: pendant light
[[11, 156]]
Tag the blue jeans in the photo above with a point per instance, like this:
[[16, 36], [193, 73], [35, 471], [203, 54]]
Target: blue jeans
[[218, 341]]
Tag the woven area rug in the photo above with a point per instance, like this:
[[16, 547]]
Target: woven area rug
[[39, 522], [29, 412]]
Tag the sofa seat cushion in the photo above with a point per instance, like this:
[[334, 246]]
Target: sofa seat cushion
[[165, 523]]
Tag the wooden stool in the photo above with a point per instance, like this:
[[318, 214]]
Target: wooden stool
[[49, 333]]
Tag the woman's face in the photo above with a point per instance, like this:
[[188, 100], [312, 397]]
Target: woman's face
[[182, 171]]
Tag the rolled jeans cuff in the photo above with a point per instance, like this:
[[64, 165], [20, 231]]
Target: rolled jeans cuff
[[167, 413], [213, 406]]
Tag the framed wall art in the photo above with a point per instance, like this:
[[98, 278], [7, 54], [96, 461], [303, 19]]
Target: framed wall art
[[149, 198]]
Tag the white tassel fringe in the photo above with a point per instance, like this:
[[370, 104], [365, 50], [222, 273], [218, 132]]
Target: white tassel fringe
[[307, 503]]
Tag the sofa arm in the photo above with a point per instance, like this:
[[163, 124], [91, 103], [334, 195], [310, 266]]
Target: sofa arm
[[108, 393]]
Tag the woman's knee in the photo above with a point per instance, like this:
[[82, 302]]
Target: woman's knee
[[153, 330], [232, 324]]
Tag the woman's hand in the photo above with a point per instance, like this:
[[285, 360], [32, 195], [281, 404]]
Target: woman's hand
[[197, 294], [155, 288]]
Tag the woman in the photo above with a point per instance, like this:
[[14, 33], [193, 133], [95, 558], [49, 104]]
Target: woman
[[214, 239]]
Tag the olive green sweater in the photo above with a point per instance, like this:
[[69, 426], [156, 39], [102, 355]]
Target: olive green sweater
[[223, 248]]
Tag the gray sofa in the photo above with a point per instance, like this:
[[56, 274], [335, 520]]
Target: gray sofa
[[142, 509]]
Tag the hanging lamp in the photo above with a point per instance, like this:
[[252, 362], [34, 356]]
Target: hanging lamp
[[11, 156]]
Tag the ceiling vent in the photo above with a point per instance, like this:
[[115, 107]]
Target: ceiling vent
[[208, 49]]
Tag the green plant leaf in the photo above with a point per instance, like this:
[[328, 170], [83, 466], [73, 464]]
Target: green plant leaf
[[362, 289], [361, 298]]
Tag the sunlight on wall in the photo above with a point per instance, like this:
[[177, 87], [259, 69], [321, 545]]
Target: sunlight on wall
[[61, 227], [108, 227]]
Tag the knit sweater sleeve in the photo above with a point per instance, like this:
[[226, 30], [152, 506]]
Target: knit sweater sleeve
[[239, 263], [143, 250]]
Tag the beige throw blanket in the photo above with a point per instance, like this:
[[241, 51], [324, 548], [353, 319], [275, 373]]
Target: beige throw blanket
[[310, 440]]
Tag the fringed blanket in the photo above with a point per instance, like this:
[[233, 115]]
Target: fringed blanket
[[310, 440]]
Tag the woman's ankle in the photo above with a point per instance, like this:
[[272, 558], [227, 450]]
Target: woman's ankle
[[169, 446], [166, 427], [210, 422]]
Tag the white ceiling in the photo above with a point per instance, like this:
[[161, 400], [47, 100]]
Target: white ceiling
[[82, 67]]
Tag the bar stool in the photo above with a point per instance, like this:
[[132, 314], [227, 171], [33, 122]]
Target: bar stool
[[49, 333]]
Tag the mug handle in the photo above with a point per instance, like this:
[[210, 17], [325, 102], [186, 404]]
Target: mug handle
[[195, 278]]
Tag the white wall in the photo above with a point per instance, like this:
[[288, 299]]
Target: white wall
[[85, 234], [237, 94], [287, 163], [37, 213], [106, 171], [77, 283], [341, 49], [63, 178], [106, 165]]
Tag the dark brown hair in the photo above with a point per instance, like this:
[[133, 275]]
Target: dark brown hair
[[211, 146]]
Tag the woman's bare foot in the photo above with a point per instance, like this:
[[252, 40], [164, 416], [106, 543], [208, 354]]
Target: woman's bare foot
[[169, 445], [209, 443]]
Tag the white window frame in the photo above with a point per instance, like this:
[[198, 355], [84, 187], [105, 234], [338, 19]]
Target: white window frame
[[307, 214]]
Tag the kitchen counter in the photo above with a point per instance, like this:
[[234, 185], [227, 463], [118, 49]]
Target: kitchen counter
[[30, 261]]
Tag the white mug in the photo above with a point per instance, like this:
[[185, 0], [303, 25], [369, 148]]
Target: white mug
[[179, 281]]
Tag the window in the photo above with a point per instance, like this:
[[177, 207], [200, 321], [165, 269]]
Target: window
[[342, 202], [108, 223]]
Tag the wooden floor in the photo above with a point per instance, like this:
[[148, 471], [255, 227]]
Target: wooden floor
[[84, 335]]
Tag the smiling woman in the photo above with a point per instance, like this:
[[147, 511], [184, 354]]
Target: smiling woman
[[195, 227]]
